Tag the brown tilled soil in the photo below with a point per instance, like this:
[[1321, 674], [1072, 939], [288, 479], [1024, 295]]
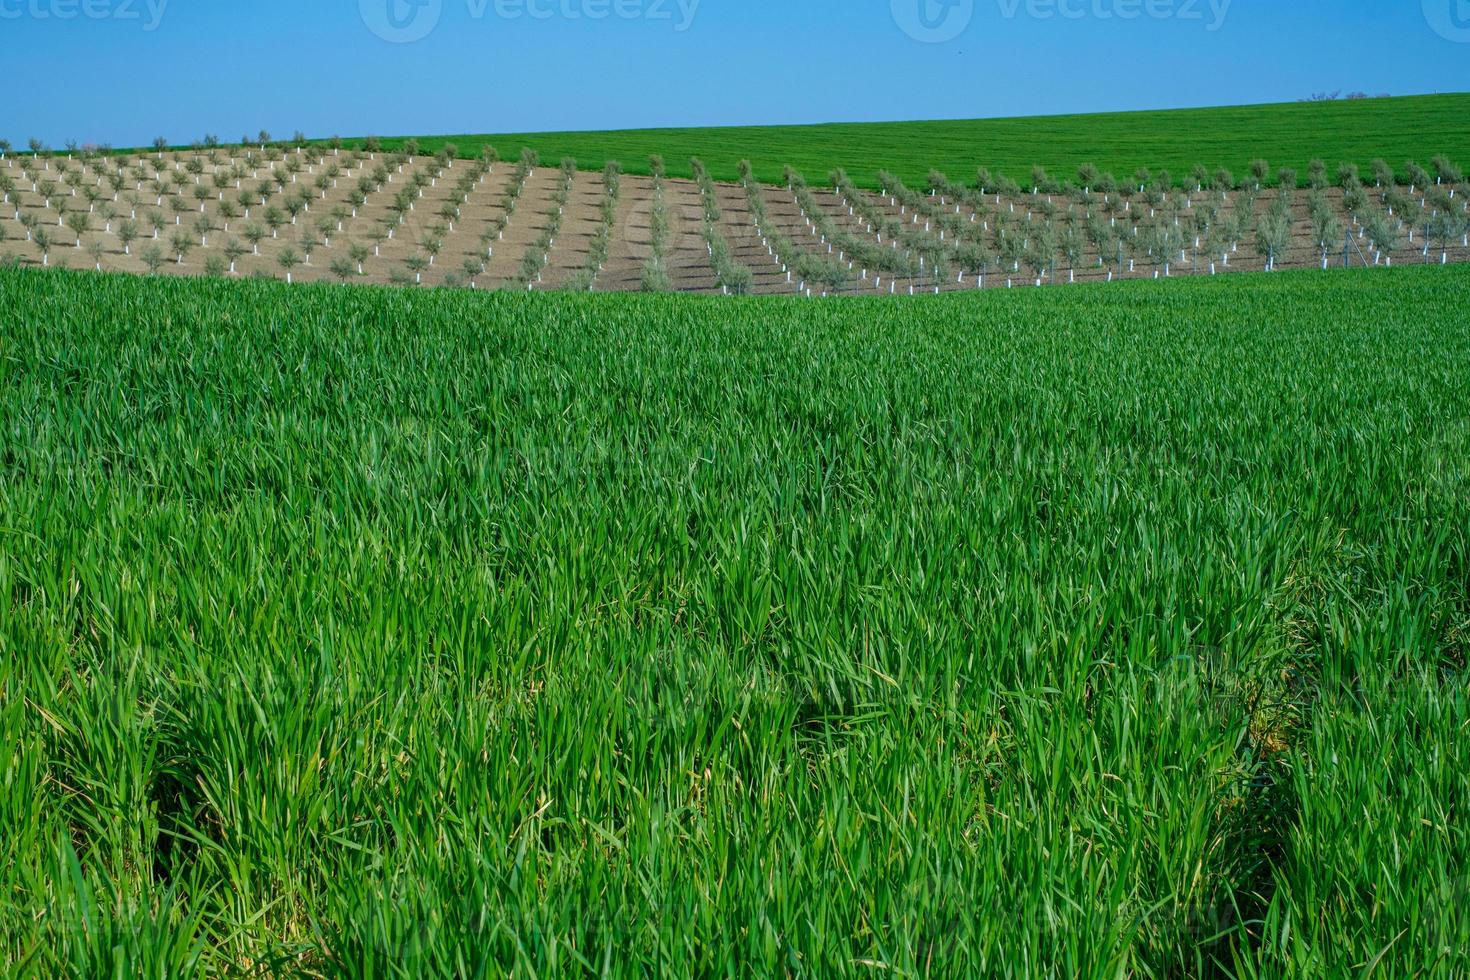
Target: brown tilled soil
[[687, 257]]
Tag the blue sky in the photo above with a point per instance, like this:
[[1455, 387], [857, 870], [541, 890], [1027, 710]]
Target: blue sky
[[124, 71]]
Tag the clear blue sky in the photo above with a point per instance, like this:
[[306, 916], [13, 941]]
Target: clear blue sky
[[124, 71]]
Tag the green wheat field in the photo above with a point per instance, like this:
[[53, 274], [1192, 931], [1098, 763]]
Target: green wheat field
[[1104, 632]]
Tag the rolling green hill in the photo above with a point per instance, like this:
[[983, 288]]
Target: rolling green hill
[[1288, 134]]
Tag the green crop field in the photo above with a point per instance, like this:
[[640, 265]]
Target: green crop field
[[1286, 135], [1105, 632]]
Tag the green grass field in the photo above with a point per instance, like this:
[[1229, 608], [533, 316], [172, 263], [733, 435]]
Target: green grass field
[[1090, 632], [1291, 134]]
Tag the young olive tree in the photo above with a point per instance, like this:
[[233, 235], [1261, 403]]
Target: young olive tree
[[96, 250], [342, 268], [41, 238], [473, 266], [358, 253], [1326, 232], [153, 258], [80, 222], [1273, 233], [287, 259], [416, 264], [1383, 234], [233, 251], [1260, 171], [1165, 240], [182, 245], [1072, 243], [1419, 178], [307, 244], [1445, 172], [253, 234], [127, 233]]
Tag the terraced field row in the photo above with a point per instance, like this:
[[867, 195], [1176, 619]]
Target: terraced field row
[[318, 214]]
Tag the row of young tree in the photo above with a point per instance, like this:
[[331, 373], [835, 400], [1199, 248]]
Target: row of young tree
[[806, 269], [409, 192], [655, 269], [538, 254], [160, 146], [782, 250], [272, 219], [600, 246], [169, 179], [931, 238], [1259, 174], [1178, 226], [733, 278], [849, 252]]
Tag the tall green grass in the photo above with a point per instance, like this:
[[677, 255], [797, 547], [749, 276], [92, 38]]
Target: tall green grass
[[1286, 135], [1085, 633]]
